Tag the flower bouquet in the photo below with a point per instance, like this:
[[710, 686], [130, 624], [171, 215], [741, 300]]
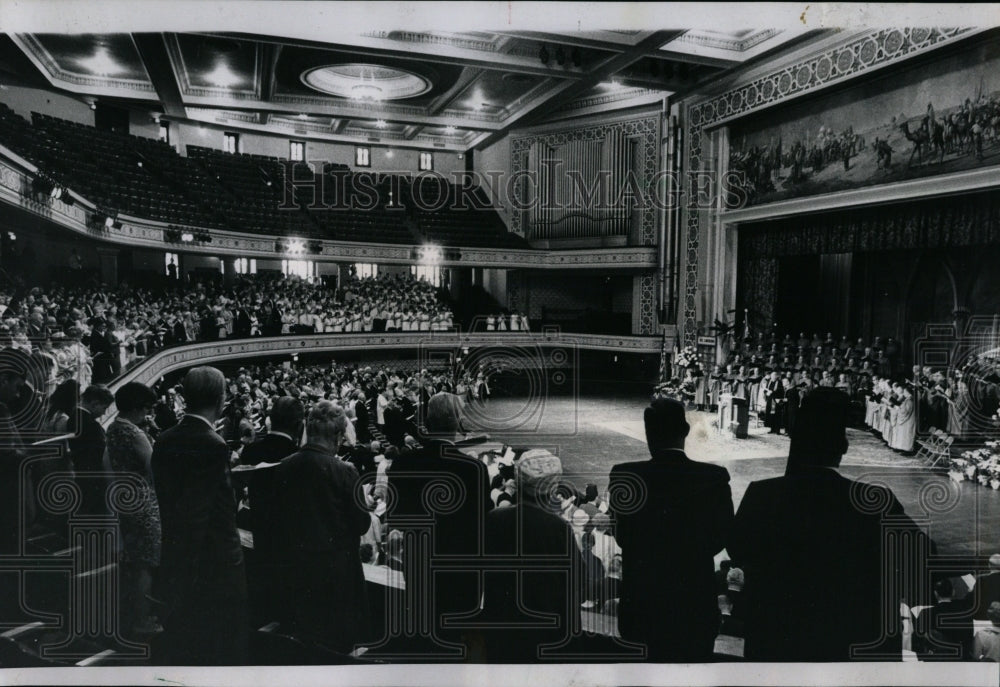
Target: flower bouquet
[[686, 357]]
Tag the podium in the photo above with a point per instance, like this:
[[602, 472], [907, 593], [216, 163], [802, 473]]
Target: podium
[[741, 415], [734, 413]]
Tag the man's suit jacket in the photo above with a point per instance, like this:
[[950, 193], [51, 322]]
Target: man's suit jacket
[[270, 448], [321, 520], [669, 533], [201, 545], [811, 545], [87, 451], [361, 425], [456, 528], [987, 590], [511, 597], [202, 578]]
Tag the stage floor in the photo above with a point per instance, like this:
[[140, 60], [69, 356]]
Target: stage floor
[[591, 433]]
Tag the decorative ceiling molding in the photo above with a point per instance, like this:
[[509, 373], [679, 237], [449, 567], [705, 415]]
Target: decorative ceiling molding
[[721, 42], [76, 82]]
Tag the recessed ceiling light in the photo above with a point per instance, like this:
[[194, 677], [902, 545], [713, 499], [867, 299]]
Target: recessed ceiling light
[[101, 62], [222, 76]]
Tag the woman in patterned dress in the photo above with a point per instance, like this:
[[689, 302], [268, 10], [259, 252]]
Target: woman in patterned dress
[[129, 451]]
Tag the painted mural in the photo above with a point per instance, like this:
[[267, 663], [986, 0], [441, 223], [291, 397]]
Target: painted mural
[[932, 117]]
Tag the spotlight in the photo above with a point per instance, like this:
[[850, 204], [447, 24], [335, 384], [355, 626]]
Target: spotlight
[[449, 129], [296, 246], [187, 237], [543, 55], [380, 123]]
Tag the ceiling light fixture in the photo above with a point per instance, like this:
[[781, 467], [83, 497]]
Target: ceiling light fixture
[[102, 63], [380, 123], [449, 129], [222, 76]]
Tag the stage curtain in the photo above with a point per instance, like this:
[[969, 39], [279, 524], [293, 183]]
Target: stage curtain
[[939, 223]]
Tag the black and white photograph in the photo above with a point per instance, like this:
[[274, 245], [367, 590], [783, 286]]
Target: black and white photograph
[[448, 343]]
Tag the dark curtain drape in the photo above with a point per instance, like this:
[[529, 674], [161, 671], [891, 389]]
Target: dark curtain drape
[[966, 220]]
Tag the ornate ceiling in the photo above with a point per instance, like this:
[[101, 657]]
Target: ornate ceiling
[[439, 89]]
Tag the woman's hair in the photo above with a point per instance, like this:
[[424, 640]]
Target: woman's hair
[[134, 395], [64, 398], [326, 420]]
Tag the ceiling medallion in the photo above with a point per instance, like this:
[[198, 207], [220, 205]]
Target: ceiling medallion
[[366, 82]]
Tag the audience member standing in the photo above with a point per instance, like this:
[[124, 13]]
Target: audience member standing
[[440, 469], [811, 544], [129, 451], [774, 392], [203, 581], [317, 501], [671, 516], [514, 598], [15, 514], [87, 449]]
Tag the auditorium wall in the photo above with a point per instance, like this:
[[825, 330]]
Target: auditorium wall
[[597, 301], [402, 160], [495, 159], [24, 101]]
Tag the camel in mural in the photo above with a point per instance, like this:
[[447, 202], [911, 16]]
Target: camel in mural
[[929, 138]]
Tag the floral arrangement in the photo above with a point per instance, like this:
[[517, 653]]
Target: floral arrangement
[[669, 389], [687, 357], [979, 465]]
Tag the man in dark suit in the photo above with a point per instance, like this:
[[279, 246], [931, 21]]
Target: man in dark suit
[[102, 351], [242, 323], [322, 522], [455, 516], [987, 589], [774, 393], [14, 370], [944, 631], [671, 516], [266, 568], [361, 428], [202, 578], [514, 598], [812, 544], [282, 439], [87, 448]]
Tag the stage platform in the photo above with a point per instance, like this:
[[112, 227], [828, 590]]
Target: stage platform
[[593, 431]]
